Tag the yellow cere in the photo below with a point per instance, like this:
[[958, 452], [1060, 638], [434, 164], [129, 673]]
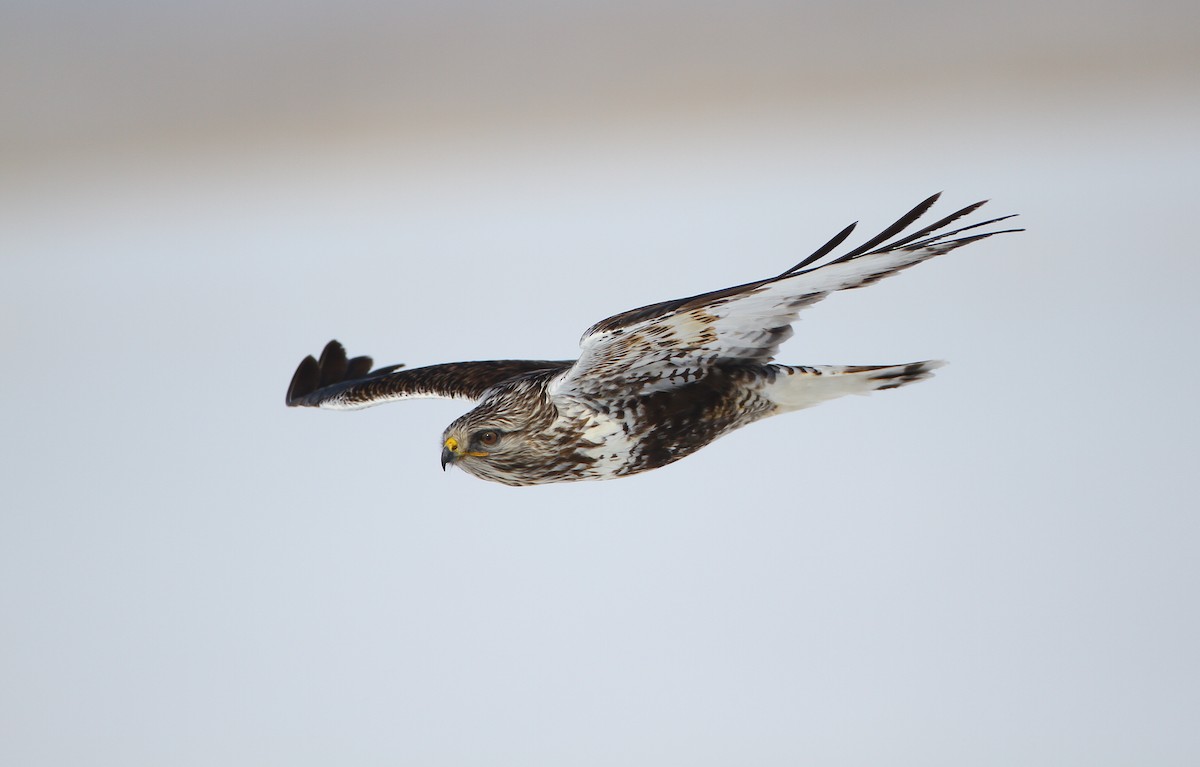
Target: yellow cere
[[452, 444]]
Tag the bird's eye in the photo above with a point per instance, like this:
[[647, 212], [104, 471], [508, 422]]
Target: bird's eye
[[488, 437]]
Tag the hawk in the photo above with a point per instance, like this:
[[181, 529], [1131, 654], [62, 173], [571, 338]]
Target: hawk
[[651, 385]]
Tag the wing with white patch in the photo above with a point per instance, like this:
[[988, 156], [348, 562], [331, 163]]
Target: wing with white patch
[[337, 383], [674, 342]]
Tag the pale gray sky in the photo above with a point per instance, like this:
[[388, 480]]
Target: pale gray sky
[[996, 567]]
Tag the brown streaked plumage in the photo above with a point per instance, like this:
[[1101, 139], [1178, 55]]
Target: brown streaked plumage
[[651, 385]]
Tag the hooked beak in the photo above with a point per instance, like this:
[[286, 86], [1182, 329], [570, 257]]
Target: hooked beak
[[450, 452]]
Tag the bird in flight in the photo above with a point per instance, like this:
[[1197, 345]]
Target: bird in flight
[[651, 385]]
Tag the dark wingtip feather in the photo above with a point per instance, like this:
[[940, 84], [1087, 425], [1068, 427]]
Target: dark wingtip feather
[[358, 367], [942, 237], [305, 381], [309, 382], [984, 236], [332, 363], [901, 224], [824, 250], [938, 225]]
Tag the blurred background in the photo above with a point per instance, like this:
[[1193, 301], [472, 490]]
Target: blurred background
[[995, 567]]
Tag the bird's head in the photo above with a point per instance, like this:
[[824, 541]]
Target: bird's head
[[503, 439]]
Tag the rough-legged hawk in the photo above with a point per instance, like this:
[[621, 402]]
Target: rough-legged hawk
[[651, 385]]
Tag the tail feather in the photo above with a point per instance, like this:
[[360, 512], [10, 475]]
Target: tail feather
[[793, 387]]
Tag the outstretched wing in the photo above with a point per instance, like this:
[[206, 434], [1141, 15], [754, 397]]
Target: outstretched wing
[[674, 342], [337, 383]]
